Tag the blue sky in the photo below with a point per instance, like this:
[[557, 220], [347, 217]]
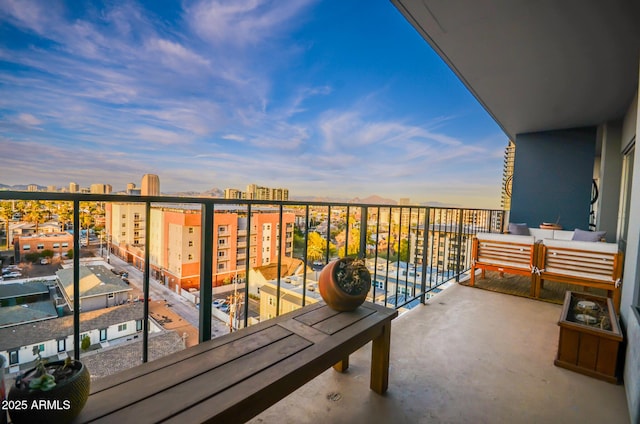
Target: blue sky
[[327, 98]]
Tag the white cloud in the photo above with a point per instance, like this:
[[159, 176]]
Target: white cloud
[[28, 119], [242, 22]]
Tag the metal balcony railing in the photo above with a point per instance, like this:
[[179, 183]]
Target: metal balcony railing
[[403, 272]]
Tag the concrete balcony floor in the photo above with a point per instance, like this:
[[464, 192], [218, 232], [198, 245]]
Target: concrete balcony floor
[[467, 356]]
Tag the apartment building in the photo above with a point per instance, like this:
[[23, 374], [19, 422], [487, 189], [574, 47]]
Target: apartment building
[[125, 227], [442, 245], [150, 185], [256, 192], [174, 249], [59, 243]]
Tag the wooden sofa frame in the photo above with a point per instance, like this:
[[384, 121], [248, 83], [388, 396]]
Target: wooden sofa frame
[[579, 264], [493, 253]]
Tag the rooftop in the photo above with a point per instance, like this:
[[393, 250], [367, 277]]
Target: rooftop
[[95, 280], [32, 333]]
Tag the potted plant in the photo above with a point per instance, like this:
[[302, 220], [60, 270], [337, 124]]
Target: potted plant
[[345, 283], [52, 392]]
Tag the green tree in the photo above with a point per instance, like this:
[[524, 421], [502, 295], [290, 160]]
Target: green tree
[[70, 254], [404, 250], [35, 214], [6, 213], [85, 343], [47, 253], [316, 247]]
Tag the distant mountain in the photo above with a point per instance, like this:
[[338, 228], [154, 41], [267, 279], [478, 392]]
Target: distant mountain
[[374, 199], [215, 192], [318, 199], [440, 204], [19, 187]]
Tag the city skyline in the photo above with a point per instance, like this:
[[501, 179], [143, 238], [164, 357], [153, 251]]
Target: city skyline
[[208, 94]]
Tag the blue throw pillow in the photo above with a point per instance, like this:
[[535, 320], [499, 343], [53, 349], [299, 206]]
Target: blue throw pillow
[[581, 235], [519, 229]]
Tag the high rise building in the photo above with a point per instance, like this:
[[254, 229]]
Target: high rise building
[[32, 187], [256, 192], [98, 189], [507, 175], [150, 185], [232, 193], [74, 187]]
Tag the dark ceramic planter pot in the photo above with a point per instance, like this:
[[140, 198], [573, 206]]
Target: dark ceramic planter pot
[[61, 404], [334, 294]]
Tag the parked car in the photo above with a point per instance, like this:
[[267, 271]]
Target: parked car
[[10, 268], [14, 274], [224, 308], [218, 302], [45, 261]]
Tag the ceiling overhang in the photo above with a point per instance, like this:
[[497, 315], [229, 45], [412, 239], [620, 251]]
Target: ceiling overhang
[[537, 66]]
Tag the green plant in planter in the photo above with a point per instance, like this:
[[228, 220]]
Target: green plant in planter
[[353, 277], [44, 379], [62, 386]]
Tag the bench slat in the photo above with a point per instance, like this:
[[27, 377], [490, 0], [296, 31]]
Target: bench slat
[[233, 378], [216, 356], [208, 383], [264, 389]]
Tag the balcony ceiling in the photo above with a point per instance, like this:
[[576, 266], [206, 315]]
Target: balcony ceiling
[[537, 66]]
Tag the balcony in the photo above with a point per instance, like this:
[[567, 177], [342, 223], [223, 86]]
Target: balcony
[[465, 355]]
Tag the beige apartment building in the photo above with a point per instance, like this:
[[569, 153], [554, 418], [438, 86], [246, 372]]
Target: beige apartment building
[[124, 223], [150, 185], [256, 192]]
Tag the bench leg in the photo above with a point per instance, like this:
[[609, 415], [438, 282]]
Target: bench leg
[[472, 279], [380, 360], [343, 365]]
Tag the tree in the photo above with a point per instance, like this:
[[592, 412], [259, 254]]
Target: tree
[[6, 213], [35, 214], [316, 246], [354, 243], [85, 343]]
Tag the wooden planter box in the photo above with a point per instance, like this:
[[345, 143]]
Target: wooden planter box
[[589, 337]]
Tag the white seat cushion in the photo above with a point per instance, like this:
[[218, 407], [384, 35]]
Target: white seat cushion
[[583, 245], [507, 238]]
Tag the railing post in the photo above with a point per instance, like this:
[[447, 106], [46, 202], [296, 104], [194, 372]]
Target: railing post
[[459, 243], [364, 218], [145, 284], [206, 272], [247, 267], [279, 261], [425, 240], [304, 254], [328, 234], [76, 280]]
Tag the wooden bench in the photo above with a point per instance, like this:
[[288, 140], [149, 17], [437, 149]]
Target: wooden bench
[[590, 264], [235, 377], [511, 254]]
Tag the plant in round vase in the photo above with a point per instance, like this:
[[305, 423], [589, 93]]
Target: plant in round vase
[[345, 283], [52, 392]]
